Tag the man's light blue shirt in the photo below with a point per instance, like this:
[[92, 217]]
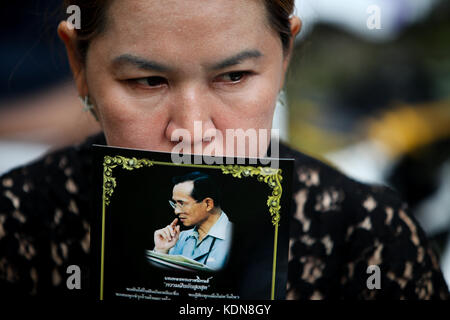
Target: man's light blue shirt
[[212, 250]]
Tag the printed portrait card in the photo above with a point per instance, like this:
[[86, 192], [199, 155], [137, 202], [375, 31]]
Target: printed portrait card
[[189, 231]]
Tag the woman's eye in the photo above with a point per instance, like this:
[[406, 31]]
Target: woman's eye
[[234, 76], [151, 81]]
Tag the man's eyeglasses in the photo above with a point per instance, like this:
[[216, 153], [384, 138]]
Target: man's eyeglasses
[[176, 205]]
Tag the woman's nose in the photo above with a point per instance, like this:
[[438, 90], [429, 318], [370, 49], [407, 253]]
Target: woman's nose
[[190, 116]]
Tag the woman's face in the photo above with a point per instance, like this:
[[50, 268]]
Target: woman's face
[[161, 65]]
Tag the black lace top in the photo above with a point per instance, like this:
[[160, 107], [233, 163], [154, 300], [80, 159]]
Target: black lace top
[[339, 227]]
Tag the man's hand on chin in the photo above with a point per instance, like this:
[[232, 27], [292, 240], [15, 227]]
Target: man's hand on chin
[[167, 237]]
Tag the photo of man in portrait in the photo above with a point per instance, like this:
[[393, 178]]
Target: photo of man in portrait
[[196, 204]]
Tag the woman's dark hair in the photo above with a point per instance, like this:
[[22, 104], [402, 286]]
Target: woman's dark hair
[[279, 12], [93, 20], [204, 186]]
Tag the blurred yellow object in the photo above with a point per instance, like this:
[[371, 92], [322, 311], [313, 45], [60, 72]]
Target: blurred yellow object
[[311, 138], [406, 127]]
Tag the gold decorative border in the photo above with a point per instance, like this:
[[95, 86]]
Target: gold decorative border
[[109, 163], [268, 175], [271, 176]]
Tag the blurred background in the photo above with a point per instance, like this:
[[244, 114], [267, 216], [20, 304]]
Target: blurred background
[[39, 105], [368, 91]]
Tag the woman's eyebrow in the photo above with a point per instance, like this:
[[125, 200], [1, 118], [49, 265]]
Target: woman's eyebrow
[[141, 63], [236, 59], [151, 65]]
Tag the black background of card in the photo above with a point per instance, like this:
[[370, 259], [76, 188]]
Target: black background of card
[[139, 206]]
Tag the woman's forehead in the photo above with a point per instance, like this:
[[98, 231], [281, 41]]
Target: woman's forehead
[[169, 10], [199, 22], [186, 33]]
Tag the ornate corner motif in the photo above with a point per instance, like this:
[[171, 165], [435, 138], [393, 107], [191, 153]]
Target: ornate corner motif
[[109, 163], [268, 175]]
